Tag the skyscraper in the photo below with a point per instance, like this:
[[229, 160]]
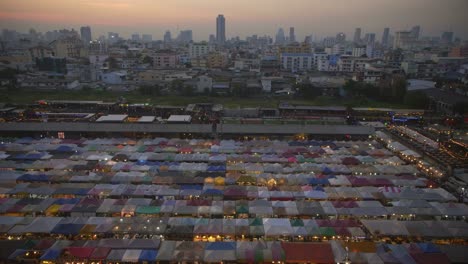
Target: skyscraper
[[212, 39], [415, 32], [357, 35], [167, 37], [292, 36], [447, 37], [220, 29], [369, 38], [280, 36], [185, 36], [402, 39], [340, 37], [86, 34], [147, 37], [136, 37], [385, 36]]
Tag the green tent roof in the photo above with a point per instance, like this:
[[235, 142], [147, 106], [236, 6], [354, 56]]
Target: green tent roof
[[148, 209], [327, 231]]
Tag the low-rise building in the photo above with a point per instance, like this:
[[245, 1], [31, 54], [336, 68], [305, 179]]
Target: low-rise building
[[165, 59], [116, 77], [199, 49], [217, 60], [297, 61]]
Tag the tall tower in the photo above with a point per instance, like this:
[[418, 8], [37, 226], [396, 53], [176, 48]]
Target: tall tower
[[386, 33], [280, 36], [415, 31], [292, 36], [357, 35], [220, 29], [167, 37], [86, 34]]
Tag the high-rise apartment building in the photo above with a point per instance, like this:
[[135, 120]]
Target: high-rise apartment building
[[185, 36], [220, 29], [402, 39], [385, 37], [369, 38], [147, 37], [167, 37], [292, 36], [280, 39], [357, 35], [340, 37], [415, 31], [86, 34], [447, 37], [136, 37]]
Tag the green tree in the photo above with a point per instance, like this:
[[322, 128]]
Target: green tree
[[416, 99], [460, 108], [308, 91], [398, 88], [86, 88], [148, 59], [187, 90], [112, 63], [8, 73], [151, 90]]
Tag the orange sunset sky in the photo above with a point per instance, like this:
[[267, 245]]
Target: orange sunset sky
[[243, 17]]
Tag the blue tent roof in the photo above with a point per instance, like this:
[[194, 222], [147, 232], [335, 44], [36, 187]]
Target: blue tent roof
[[148, 255], [16, 253], [428, 247], [212, 192], [63, 148], [319, 188], [34, 177], [34, 156], [216, 168], [221, 246], [327, 170], [316, 181], [62, 201], [191, 187], [50, 254], [67, 229], [24, 140]]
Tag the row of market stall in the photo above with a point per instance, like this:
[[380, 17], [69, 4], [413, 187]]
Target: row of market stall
[[244, 208], [218, 229], [152, 251]]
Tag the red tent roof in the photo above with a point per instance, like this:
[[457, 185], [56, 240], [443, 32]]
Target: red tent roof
[[308, 252], [430, 258], [80, 252]]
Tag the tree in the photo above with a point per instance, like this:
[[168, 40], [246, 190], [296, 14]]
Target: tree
[[176, 86], [153, 90], [148, 59], [112, 63], [308, 91], [398, 87], [460, 108], [86, 88], [8, 73], [416, 99], [187, 90]]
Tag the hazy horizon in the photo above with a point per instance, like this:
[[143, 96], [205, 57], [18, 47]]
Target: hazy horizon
[[243, 18]]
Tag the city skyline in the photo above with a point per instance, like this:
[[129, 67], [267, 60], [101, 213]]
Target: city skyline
[[318, 18]]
